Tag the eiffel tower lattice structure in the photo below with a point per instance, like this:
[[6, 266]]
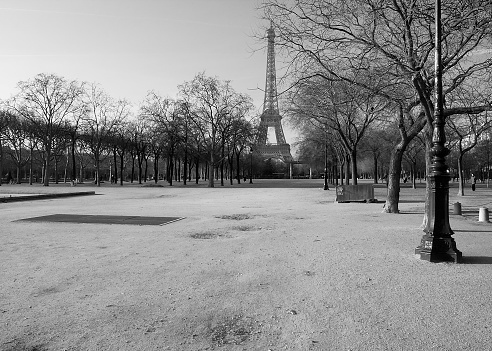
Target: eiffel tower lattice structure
[[271, 116]]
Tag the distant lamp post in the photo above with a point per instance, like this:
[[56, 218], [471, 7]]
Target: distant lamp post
[[326, 162], [437, 245]]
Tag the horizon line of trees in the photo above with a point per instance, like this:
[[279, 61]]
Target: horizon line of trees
[[206, 130]]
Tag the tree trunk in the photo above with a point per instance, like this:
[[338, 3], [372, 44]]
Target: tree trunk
[[347, 170], [428, 189], [375, 171], [341, 173], [139, 161], [146, 169], [335, 172], [156, 168], [190, 168], [30, 165], [74, 169], [222, 168], [176, 169], [133, 168], [65, 172], [171, 170], [121, 167], [394, 174], [18, 175], [47, 168], [180, 170], [353, 158], [238, 156], [56, 170], [211, 170], [115, 176], [185, 165], [461, 180], [98, 177], [414, 175], [197, 171]]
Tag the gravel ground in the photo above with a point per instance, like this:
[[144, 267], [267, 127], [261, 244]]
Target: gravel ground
[[276, 265]]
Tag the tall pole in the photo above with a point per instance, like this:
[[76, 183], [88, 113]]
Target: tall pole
[[185, 173], [250, 165], [326, 161], [488, 151], [437, 245]]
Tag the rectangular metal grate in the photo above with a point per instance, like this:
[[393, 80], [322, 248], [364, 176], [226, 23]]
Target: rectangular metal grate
[[104, 219]]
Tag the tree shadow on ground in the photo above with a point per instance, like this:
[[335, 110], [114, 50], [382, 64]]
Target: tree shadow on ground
[[477, 260]]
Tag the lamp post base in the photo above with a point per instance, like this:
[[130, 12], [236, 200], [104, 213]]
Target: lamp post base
[[438, 249], [437, 244]]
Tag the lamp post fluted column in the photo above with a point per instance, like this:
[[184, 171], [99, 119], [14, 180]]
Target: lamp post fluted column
[[437, 244]]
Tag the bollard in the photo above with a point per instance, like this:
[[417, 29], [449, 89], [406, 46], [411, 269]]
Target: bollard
[[483, 214], [457, 208]]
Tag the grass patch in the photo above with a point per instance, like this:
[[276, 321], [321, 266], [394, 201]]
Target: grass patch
[[231, 331]]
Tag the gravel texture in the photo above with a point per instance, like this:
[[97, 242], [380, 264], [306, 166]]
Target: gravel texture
[[250, 267]]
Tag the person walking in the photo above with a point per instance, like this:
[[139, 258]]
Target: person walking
[[473, 181]]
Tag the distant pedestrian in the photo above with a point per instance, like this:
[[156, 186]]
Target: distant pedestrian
[[473, 181], [9, 178]]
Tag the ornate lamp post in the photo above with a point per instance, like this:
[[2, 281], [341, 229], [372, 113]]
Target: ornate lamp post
[[437, 245]]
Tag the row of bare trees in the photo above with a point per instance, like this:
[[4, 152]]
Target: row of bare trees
[[208, 123], [352, 63], [468, 137]]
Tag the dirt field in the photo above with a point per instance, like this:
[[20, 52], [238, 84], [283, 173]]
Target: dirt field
[[276, 265]]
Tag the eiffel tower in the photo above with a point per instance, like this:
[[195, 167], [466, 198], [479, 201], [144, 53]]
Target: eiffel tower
[[271, 116]]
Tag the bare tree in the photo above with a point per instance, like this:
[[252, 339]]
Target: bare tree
[[5, 118], [140, 136], [468, 130], [414, 155], [73, 131], [104, 115], [242, 134], [378, 141], [121, 140], [211, 104], [17, 137], [345, 108], [47, 101], [166, 116]]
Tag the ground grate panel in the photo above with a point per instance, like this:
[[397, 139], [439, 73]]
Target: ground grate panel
[[104, 219]]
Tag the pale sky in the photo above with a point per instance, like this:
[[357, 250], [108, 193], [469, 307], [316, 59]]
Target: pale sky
[[132, 46]]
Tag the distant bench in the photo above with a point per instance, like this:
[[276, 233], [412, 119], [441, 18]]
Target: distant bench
[[362, 192]]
